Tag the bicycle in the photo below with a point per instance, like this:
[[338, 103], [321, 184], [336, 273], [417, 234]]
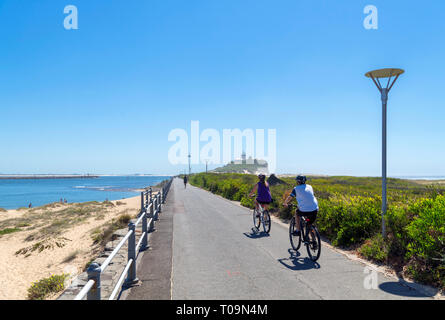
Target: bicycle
[[309, 235], [264, 219]]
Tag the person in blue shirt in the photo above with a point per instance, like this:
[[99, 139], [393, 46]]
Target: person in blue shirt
[[307, 203]]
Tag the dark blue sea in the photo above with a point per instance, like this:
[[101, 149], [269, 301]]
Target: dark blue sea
[[16, 193]]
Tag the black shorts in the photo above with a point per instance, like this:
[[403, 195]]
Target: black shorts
[[263, 202], [312, 215]]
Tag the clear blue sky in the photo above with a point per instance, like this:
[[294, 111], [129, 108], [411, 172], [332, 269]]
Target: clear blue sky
[[104, 98]]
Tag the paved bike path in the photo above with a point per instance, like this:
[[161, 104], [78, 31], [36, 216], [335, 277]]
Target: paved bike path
[[215, 255]]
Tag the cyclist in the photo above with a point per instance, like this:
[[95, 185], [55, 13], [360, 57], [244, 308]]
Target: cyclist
[[307, 203], [264, 196], [185, 181]]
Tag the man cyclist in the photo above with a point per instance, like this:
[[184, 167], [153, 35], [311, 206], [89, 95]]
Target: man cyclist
[[264, 196], [307, 203]]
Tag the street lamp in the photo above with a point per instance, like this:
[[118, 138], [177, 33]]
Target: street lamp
[[376, 75], [190, 169]]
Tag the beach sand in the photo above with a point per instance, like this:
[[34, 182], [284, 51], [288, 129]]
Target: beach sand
[[19, 271]]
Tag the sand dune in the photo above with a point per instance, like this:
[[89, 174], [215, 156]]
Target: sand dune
[[61, 235]]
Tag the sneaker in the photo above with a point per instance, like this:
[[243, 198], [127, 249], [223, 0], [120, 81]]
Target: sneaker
[[296, 233]]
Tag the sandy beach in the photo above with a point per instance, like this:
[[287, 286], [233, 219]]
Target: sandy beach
[[53, 239]]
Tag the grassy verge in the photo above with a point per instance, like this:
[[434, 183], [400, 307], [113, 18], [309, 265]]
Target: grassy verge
[[350, 217]]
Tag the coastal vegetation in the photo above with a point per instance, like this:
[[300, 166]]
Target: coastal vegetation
[[350, 217], [53, 219], [8, 230], [104, 234], [43, 288]]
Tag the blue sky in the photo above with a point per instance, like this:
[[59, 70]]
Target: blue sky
[[104, 98]]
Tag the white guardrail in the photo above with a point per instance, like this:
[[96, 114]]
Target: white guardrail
[[150, 209]]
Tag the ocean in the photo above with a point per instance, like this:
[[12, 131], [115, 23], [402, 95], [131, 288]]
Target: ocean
[[16, 193]]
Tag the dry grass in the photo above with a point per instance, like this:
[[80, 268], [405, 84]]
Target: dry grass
[[53, 219], [104, 234]]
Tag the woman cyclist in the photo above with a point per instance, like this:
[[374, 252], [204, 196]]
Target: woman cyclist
[[264, 196]]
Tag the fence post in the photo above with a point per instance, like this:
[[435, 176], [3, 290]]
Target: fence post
[[131, 278], [94, 274], [160, 200], [142, 202], [144, 231], [157, 206], [151, 216], [151, 194]]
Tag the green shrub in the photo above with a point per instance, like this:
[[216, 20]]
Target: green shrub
[[41, 289], [427, 230], [375, 249], [426, 249], [397, 221], [349, 220]]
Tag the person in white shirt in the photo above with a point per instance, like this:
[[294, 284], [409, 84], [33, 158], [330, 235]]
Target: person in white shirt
[[307, 203]]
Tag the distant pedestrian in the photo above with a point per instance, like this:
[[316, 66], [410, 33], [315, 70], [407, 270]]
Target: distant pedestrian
[[30, 205], [61, 200], [64, 200], [185, 182]]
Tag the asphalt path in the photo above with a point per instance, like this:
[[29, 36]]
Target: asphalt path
[[215, 254]]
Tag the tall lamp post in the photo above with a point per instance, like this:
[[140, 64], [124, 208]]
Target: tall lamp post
[[190, 169], [376, 75]]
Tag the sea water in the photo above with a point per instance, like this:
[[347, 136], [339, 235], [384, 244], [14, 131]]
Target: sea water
[[16, 193]]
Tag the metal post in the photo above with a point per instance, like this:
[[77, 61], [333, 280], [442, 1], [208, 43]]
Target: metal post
[[94, 274], [146, 199], [152, 210], [384, 201], [131, 278], [190, 169], [144, 231], [142, 202], [151, 193], [155, 205]]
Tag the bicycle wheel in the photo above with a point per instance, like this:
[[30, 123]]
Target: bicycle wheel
[[314, 244], [295, 241], [256, 220], [266, 221]]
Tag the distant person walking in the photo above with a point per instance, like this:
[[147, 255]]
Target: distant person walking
[[30, 205], [185, 182]]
